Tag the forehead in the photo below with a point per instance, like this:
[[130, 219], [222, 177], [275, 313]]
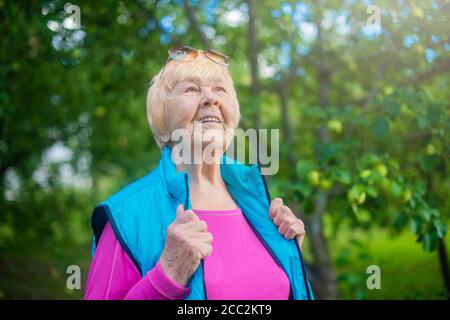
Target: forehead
[[199, 71], [203, 81]]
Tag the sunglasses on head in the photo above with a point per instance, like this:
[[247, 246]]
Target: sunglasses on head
[[186, 53]]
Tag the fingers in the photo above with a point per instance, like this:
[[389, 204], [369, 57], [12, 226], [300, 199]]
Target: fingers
[[191, 216], [285, 224], [297, 229], [180, 215], [283, 213], [184, 216], [203, 244], [276, 204], [196, 226], [180, 211], [286, 221], [206, 237], [205, 249]]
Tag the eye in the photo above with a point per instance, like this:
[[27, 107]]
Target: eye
[[219, 88], [190, 89]]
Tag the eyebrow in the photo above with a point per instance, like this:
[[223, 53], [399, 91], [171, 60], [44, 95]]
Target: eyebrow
[[197, 80]]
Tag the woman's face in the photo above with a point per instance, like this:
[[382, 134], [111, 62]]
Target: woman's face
[[209, 107]]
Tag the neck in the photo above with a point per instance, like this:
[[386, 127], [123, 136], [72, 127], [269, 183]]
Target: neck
[[202, 172]]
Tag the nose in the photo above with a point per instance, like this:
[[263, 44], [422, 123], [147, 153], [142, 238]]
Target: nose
[[209, 100]]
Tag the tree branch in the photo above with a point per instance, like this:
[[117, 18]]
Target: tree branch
[[190, 13], [12, 162], [441, 66], [253, 60]]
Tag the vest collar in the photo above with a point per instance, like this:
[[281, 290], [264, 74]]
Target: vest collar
[[238, 177]]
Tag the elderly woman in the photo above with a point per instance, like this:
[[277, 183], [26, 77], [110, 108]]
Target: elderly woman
[[196, 229]]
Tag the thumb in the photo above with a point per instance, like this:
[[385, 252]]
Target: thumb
[[184, 215], [180, 213]]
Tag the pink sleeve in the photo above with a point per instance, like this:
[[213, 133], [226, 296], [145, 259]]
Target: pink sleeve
[[113, 276]]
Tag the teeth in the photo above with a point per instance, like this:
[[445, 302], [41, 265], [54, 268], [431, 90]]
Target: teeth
[[210, 119]]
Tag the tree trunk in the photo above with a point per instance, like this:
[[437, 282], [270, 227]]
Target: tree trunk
[[285, 126], [443, 261], [326, 283], [321, 273], [255, 89]]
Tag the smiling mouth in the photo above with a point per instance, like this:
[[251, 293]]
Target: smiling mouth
[[209, 119]]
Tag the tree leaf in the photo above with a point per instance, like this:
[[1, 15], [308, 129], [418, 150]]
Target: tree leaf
[[441, 228], [428, 162], [380, 127], [416, 225], [430, 241]]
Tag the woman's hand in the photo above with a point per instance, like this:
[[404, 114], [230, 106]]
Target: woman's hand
[[286, 221], [188, 241]]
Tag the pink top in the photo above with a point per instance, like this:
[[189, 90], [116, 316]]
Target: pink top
[[239, 267]]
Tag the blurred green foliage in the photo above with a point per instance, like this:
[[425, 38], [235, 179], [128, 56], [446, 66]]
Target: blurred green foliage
[[363, 112]]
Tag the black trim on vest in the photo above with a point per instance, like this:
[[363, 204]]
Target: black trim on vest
[[100, 216], [305, 279], [265, 186], [186, 207]]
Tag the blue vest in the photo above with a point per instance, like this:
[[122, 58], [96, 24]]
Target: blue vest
[[141, 212]]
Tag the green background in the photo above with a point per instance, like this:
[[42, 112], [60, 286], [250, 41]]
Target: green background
[[363, 112]]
